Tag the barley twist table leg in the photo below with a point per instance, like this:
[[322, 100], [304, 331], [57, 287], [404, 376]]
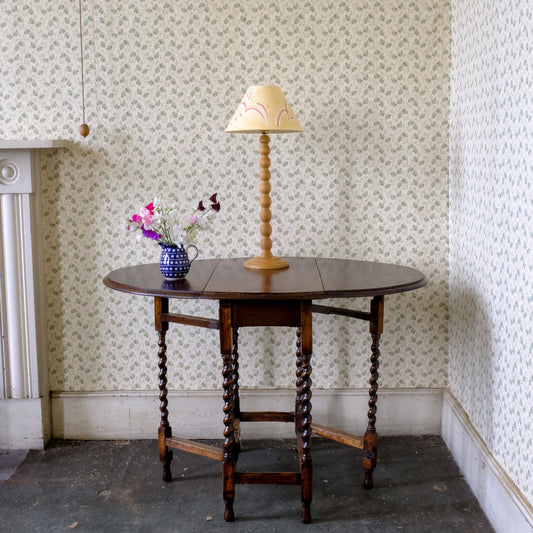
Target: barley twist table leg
[[236, 400], [297, 403], [229, 453], [164, 431], [371, 436], [303, 406]]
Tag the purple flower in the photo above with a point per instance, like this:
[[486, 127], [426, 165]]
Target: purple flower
[[151, 234], [157, 222]]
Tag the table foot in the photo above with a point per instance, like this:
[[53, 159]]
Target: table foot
[[369, 462], [229, 515], [165, 455], [306, 469], [306, 514], [228, 491], [167, 474]]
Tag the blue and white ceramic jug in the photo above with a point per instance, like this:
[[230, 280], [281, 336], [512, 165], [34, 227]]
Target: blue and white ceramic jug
[[175, 262]]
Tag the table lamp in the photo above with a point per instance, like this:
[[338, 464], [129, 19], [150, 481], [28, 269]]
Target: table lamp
[[264, 110]]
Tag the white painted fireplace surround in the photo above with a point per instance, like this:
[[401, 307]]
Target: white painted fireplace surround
[[24, 392]]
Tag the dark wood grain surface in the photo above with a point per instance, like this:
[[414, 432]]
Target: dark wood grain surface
[[232, 280], [306, 278], [345, 277], [147, 280]]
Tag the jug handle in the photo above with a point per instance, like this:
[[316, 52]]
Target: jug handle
[[195, 256]]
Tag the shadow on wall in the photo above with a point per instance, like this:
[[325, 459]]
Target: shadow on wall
[[473, 359]]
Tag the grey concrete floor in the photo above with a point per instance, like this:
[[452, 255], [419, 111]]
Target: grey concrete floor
[[115, 486]]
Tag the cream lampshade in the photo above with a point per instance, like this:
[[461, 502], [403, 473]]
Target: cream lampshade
[[264, 110]]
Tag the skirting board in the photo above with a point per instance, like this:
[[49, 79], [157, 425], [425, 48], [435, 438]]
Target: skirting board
[[198, 414], [501, 500], [24, 423]]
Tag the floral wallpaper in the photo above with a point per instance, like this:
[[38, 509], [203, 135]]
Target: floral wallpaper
[[367, 179], [491, 227]]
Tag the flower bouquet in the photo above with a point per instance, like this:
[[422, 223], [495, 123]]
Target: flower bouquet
[[162, 224]]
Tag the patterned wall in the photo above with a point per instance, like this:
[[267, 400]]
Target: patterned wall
[[491, 227], [368, 179]]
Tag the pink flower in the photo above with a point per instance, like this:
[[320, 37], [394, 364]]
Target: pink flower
[[157, 222], [147, 216]]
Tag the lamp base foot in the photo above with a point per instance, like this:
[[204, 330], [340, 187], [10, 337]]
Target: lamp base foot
[[266, 263]]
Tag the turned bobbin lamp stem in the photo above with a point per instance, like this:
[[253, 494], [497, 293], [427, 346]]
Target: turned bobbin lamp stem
[[264, 110], [266, 260]]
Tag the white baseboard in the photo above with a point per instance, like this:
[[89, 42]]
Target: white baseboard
[[198, 414], [24, 423], [504, 504]]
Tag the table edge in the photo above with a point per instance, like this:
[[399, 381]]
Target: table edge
[[397, 289], [310, 295]]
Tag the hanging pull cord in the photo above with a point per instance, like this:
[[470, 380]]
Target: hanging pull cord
[[84, 129]]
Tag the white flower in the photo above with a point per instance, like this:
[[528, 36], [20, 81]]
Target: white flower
[[129, 225], [162, 223], [178, 234]]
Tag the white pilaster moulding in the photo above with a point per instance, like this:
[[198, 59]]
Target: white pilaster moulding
[[24, 393]]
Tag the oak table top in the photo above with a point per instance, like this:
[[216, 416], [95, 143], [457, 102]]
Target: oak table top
[[306, 278]]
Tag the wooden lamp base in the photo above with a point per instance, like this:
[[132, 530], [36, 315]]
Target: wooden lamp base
[[266, 261]]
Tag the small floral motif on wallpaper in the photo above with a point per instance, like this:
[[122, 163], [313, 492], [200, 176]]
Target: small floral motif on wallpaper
[[491, 230], [367, 179]]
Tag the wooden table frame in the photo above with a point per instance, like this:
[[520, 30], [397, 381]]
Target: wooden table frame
[[274, 307]]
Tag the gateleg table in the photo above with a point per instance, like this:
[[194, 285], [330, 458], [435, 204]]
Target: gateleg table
[[250, 298]]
